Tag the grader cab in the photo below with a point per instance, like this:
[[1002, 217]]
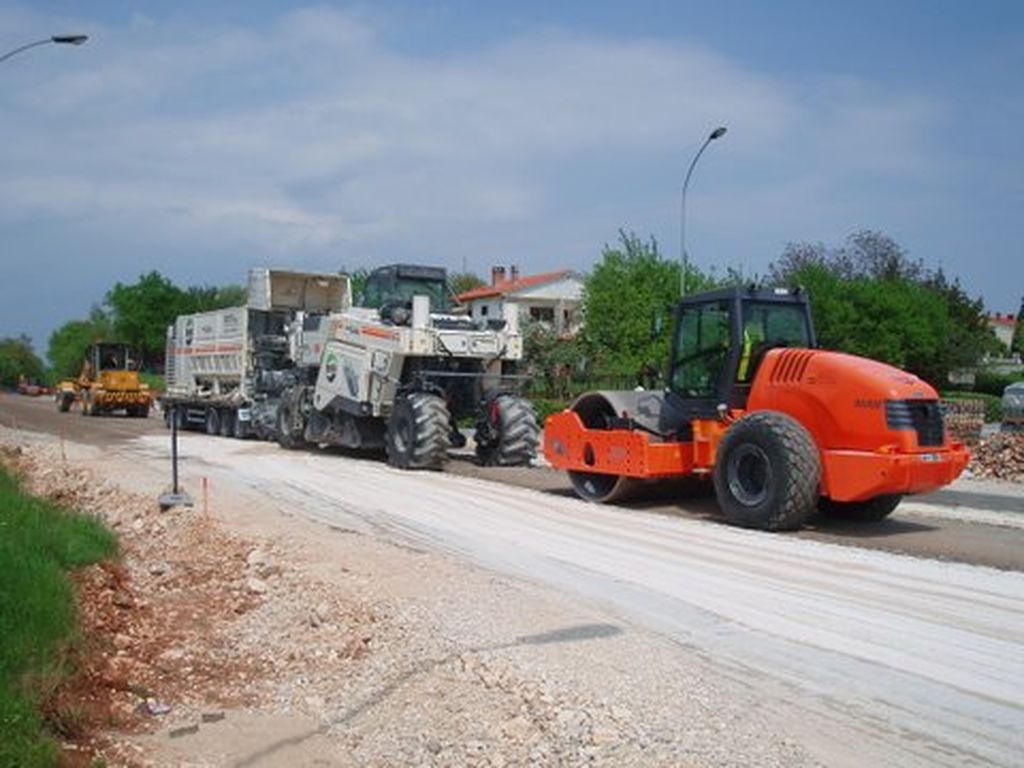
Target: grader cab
[[780, 428]]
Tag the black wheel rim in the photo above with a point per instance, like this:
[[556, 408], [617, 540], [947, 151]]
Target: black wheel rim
[[749, 475]]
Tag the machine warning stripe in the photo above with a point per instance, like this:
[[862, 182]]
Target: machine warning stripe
[[380, 333], [210, 348]]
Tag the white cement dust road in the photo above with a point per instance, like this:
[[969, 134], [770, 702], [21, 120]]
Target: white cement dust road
[[864, 657]]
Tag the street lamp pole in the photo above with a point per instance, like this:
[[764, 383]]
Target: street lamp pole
[[718, 133], [59, 39]]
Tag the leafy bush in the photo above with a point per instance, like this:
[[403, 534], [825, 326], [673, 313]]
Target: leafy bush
[[994, 383], [547, 406]]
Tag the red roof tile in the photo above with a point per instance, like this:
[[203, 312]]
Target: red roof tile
[[511, 286], [998, 319]]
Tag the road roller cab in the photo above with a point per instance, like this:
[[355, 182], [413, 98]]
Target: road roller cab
[[781, 429]]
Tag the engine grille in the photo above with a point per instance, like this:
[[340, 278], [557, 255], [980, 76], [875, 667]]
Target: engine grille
[[922, 416]]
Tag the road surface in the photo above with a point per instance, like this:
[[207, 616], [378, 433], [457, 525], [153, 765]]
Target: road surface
[[865, 657], [940, 526], [869, 658]]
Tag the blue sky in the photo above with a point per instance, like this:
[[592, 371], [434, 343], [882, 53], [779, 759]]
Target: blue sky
[[200, 139]]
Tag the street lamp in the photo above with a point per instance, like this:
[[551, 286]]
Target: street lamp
[[59, 39], [718, 133]]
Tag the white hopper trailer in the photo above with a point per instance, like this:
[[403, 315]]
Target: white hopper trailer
[[225, 369]]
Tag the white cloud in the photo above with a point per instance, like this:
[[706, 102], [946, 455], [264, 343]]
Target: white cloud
[[313, 137]]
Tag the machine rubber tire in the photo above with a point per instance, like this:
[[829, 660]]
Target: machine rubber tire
[[767, 473], [240, 429], [212, 421], [869, 511], [64, 403], [289, 431], [513, 432], [418, 432], [227, 422]]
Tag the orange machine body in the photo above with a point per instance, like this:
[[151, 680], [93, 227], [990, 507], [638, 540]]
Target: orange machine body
[[877, 428]]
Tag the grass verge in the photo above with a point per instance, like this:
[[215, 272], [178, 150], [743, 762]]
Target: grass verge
[[39, 543]]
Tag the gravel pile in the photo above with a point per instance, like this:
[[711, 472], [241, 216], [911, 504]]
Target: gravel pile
[[1000, 457]]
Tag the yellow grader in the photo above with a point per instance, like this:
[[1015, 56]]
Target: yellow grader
[[107, 384]]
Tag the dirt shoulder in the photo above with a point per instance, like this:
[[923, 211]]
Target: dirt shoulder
[[238, 632]]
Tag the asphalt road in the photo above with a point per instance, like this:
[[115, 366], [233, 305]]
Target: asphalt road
[[863, 657], [938, 526], [867, 657]]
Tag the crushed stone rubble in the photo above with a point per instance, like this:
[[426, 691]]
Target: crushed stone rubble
[[192, 623], [189, 620], [999, 457]]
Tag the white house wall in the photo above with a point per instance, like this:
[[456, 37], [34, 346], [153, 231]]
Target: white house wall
[[561, 296], [569, 289], [493, 308]]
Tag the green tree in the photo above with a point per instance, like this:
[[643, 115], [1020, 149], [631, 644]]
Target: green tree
[[357, 278], [207, 298], [68, 344], [142, 311], [869, 298], [17, 359], [551, 358], [630, 287], [970, 336], [460, 282]]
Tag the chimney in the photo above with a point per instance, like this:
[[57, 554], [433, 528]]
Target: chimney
[[515, 273], [497, 275]]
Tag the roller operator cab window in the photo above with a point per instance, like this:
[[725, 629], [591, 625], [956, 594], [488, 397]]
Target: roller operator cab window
[[767, 325], [400, 290], [701, 349]]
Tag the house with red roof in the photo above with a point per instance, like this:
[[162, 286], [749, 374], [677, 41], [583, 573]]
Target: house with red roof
[[552, 298], [1003, 327]]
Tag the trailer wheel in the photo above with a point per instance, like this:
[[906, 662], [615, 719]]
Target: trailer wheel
[[227, 422], [507, 433], [212, 421], [418, 432], [290, 424], [870, 511], [767, 473], [240, 428]]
